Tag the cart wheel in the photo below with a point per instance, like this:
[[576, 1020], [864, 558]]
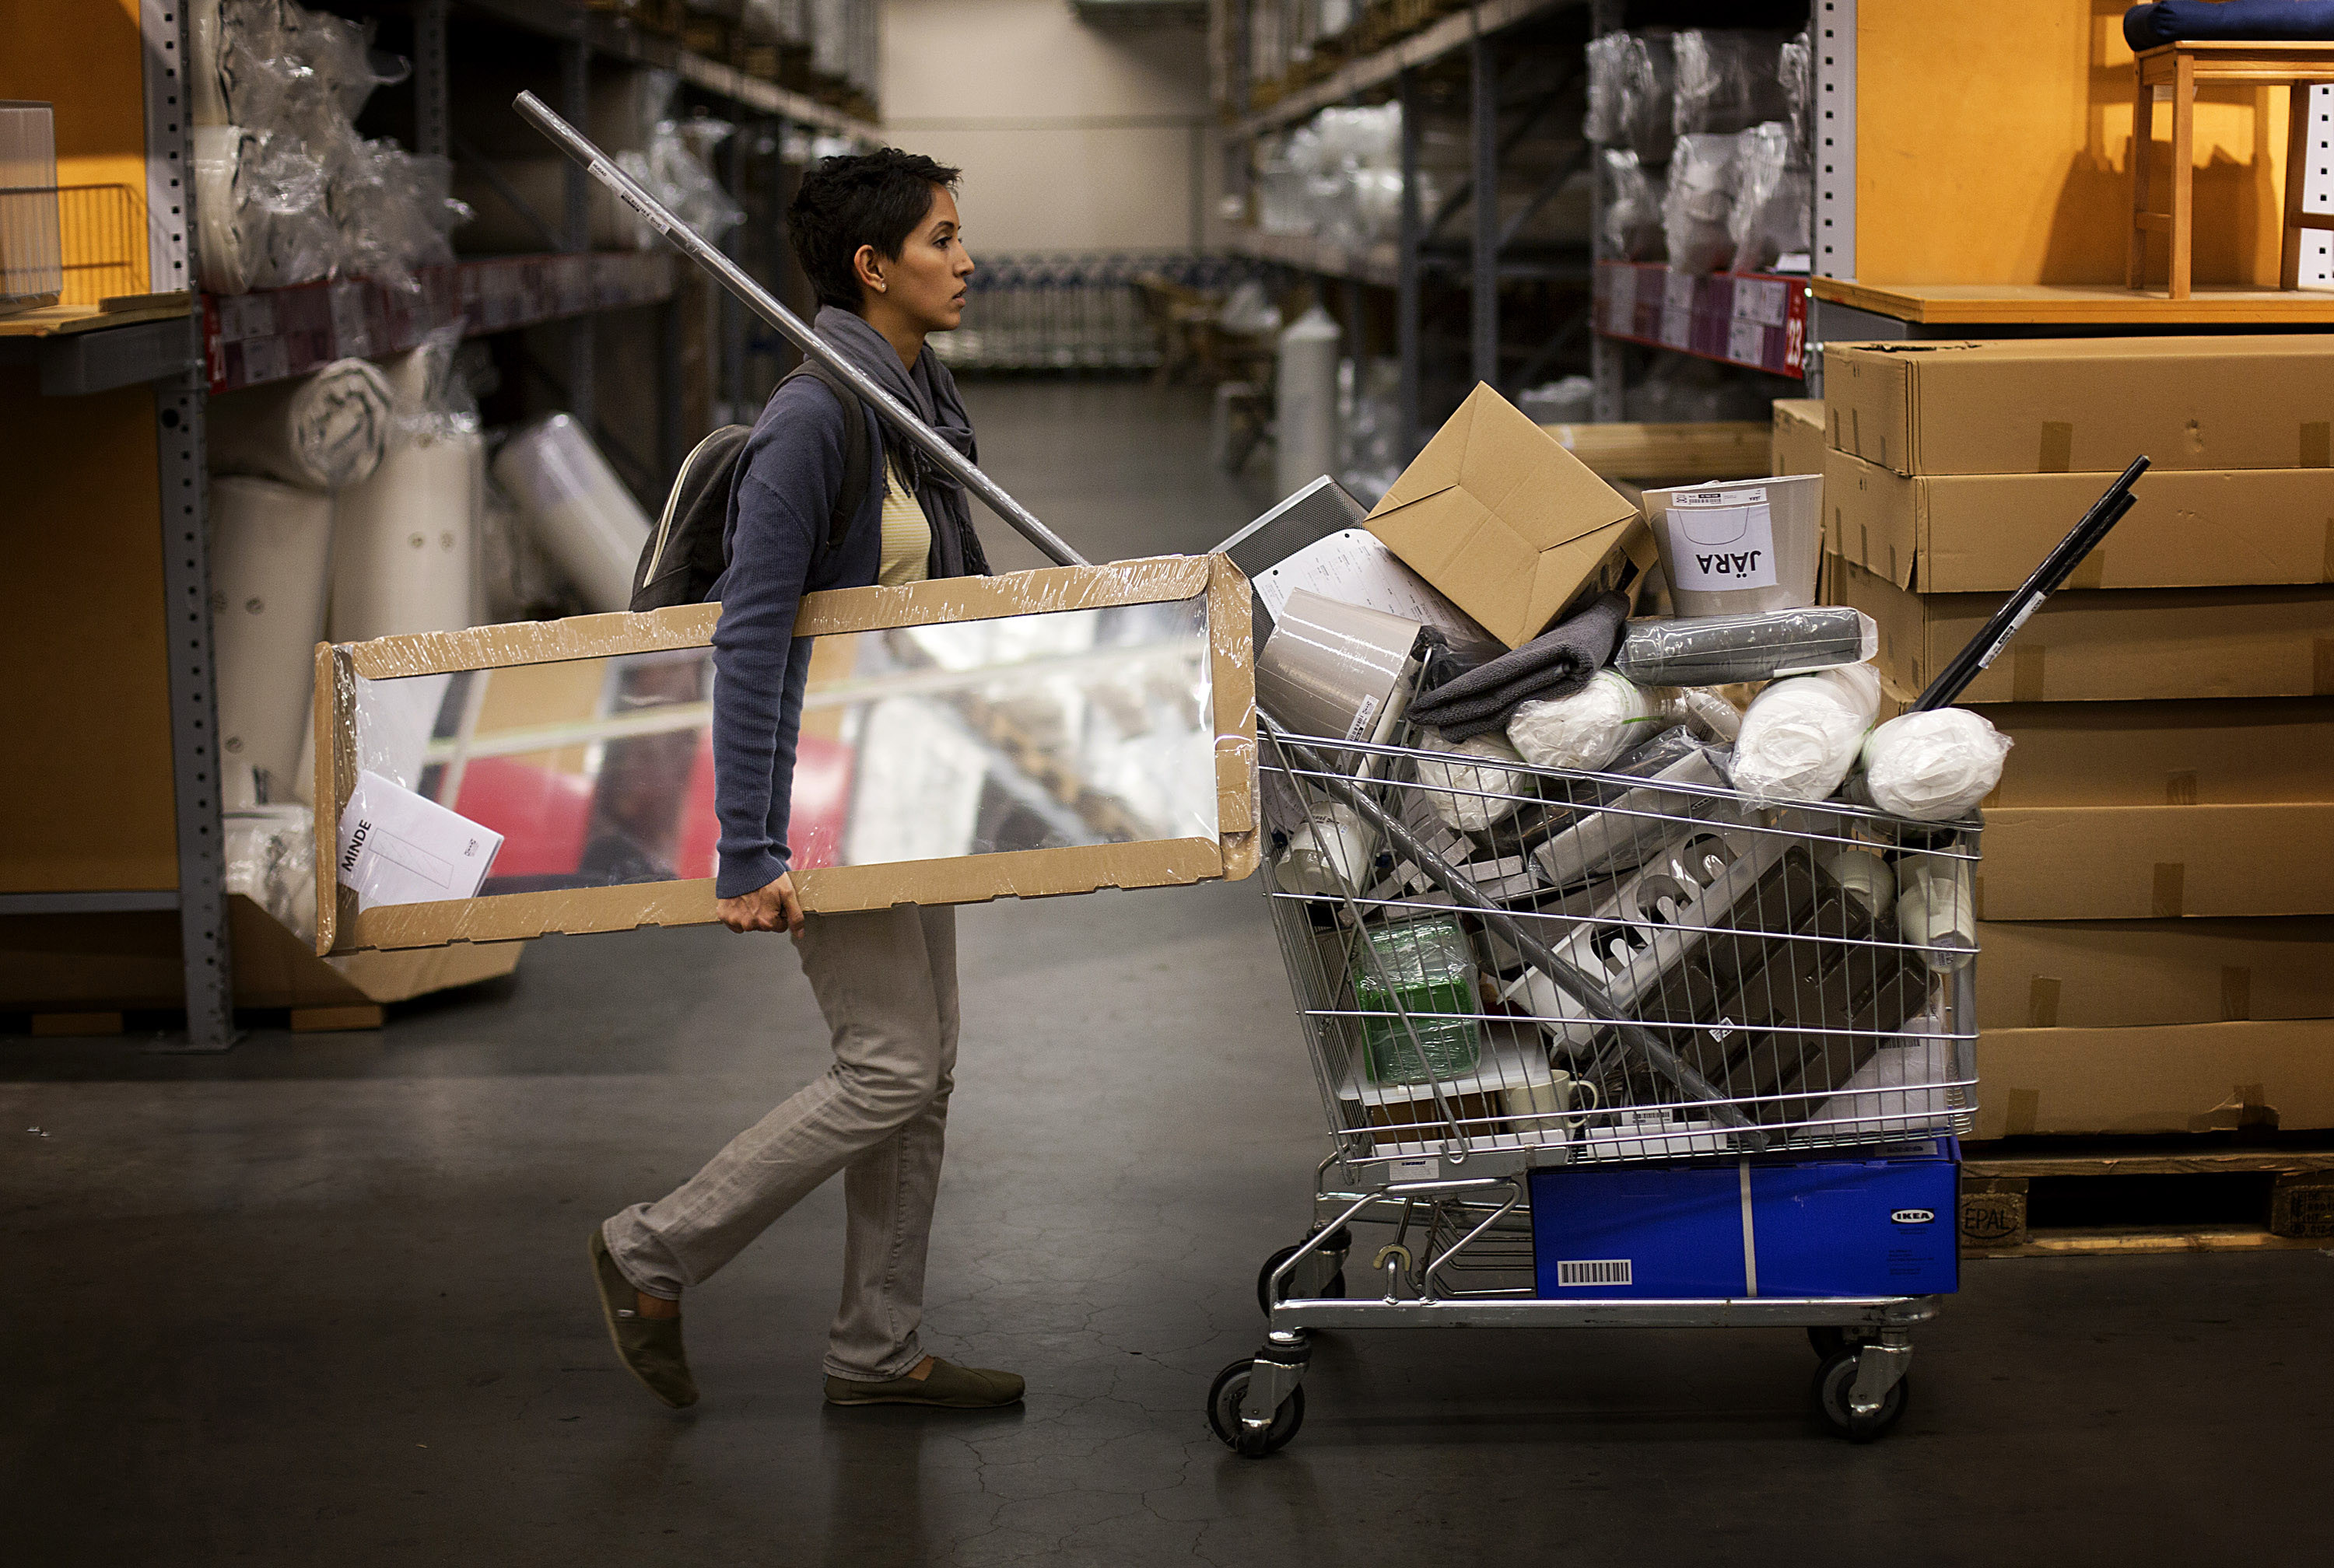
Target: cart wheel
[[1225, 1397], [1336, 1287], [1834, 1378]]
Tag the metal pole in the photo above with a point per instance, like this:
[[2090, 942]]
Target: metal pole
[[1406, 271], [575, 230], [433, 103], [1483, 82], [894, 413]]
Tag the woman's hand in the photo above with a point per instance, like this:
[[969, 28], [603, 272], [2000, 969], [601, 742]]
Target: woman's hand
[[771, 908]]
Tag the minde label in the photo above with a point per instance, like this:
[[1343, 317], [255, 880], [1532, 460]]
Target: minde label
[[1721, 539]]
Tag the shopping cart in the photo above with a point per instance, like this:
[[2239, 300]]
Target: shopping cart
[[1613, 1049]]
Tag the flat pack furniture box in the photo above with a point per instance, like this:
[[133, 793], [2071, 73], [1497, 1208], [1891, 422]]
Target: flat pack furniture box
[[2082, 405], [2176, 1078], [1030, 734], [2114, 645], [1875, 1224], [1511, 528], [2127, 974], [1986, 532], [1795, 445], [2238, 752], [2156, 862]]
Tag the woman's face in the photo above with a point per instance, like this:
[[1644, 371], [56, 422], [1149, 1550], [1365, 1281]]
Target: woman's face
[[925, 284]]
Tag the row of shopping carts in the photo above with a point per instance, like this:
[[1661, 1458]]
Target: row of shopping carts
[[1607, 1049]]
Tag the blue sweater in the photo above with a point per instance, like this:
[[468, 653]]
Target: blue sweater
[[775, 536]]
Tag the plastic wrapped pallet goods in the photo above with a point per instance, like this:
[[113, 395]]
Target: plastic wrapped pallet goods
[[578, 508], [270, 556], [321, 432], [407, 546]]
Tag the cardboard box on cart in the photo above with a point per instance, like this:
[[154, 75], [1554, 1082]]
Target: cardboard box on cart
[[565, 779]]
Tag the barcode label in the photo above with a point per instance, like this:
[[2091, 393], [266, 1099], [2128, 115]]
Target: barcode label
[[1592, 1271]]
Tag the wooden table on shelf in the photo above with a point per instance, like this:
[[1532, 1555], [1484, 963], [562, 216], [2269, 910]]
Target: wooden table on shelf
[[57, 320], [2080, 304]]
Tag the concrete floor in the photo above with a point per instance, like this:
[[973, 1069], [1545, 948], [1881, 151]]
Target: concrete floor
[[322, 1300]]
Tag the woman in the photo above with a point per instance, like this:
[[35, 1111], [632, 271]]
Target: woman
[[878, 236]]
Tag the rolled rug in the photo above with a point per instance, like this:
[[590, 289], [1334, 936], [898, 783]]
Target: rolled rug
[[577, 507], [270, 560], [404, 555], [223, 245], [321, 431]]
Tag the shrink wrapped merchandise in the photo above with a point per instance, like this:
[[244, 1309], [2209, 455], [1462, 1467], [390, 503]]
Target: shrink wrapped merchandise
[[1726, 81], [265, 221], [320, 431], [1630, 79], [270, 560], [1633, 207], [1933, 766], [1330, 852], [1773, 200], [1936, 911], [1796, 66], [1471, 797], [1721, 650], [1800, 736], [578, 509], [271, 860], [1698, 207], [1589, 728], [1868, 879]]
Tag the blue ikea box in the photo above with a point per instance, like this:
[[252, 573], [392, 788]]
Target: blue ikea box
[[1877, 1224]]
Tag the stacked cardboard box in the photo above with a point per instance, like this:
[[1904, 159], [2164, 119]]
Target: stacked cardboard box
[[2159, 857]]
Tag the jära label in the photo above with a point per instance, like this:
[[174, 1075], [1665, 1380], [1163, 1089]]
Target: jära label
[[1721, 540]]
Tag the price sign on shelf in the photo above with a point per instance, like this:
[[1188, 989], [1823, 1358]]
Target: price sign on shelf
[[1746, 343], [1677, 327]]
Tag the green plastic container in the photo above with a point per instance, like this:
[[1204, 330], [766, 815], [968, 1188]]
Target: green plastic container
[[1418, 967]]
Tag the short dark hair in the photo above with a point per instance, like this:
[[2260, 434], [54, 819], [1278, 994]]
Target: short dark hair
[[874, 199]]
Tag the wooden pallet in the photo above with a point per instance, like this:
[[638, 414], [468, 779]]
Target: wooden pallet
[[2153, 1196]]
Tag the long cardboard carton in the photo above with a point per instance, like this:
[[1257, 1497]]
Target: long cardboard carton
[[1108, 857], [2114, 645], [1674, 452], [1986, 532], [2165, 753], [2155, 862], [1795, 445], [2179, 1078], [1511, 526], [2082, 405], [2122, 974]]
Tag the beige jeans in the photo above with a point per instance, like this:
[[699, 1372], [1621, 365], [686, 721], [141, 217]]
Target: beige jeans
[[886, 982]]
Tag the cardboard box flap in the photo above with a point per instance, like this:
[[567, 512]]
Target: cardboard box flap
[[1496, 513], [2179, 1078]]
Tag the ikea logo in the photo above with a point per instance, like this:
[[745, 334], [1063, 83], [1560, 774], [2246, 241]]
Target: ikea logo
[[1913, 1215]]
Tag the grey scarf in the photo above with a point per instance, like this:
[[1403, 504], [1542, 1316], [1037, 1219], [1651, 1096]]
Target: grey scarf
[[931, 392]]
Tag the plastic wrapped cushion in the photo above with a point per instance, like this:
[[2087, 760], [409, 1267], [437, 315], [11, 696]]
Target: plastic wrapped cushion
[[1473, 796], [1629, 93], [1633, 207], [1801, 736], [1795, 65], [1698, 207], [1589, 728], [1933, 766], [1772, 198], [264, 219], [1726, 81], [1721, 649]]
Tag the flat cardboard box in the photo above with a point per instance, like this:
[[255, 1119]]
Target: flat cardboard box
[[2165, 753], [1796, 443], [2155, 862], [2082, 405], [2109, 645], [2179, 1077], [1986, 532], [2124, 974], [955, 880], [1671, 453], [1511, 526], [130, 962]]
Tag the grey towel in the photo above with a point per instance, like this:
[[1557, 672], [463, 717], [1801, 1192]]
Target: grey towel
[[1556, 663], [931, 392]]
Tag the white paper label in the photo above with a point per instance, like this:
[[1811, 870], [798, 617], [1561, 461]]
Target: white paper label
[[1416, 1168], [400, 848], [1721, 539]]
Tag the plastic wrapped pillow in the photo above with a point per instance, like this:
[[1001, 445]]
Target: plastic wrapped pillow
[[1469, 796], [1933, 766], [1589, 728], [1801, 736], [1772, 198], [1725, 81], [1721, 649], [1629, 89], [1795, 65], [1698, 207], [1633, 207]]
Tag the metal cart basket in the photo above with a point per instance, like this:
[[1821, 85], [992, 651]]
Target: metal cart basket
[[1516, 983]]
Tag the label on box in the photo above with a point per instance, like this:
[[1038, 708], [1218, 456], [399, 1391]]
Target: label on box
[[1721, 539], [397, 847]]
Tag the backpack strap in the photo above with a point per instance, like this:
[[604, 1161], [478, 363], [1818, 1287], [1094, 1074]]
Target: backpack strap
[[858, 460]]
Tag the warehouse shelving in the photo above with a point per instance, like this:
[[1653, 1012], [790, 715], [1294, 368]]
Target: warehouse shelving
[[1755, 320], [184, 346]]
